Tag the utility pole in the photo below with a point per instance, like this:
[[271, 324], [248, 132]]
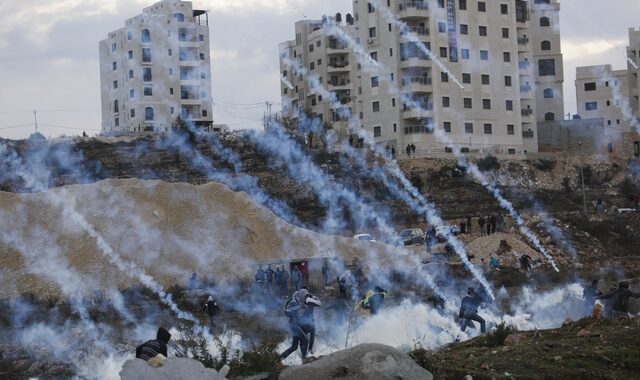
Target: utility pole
[[35, 120], [584, 198], [267, 117]]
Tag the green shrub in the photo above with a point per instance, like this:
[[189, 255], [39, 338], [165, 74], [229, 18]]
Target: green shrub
[[497, 337]]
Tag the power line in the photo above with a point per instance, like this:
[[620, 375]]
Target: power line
[[17, 126], [65, 127]]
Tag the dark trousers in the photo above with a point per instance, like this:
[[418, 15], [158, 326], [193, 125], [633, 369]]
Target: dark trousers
[[467, 319], [299, 338]]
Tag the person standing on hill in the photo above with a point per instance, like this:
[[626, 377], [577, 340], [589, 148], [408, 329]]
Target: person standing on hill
[[481, 222], [620, 300], [589, 295], [212, 309], [269, 276], [413, 150], [325, 272], [469, 225], [408, 150], [525, 263], [296, 277]]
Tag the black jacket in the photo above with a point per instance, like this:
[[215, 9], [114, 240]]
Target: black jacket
[[152, 348], [620, 299], [470, 305]]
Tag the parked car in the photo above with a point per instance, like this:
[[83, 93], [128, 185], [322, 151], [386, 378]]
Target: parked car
[[364, 237], [411, 236]]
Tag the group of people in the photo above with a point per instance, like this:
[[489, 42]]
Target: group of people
[[278, 280], [410, 150], [391, 151], [491, 224]]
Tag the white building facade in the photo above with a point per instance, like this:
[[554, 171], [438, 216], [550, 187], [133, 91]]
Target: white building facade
[[156, 69], [505, 53]]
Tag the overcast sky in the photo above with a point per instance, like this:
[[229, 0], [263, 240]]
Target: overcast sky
[[49, 54]]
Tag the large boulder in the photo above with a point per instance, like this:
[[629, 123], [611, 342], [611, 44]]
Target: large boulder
[[173, 368], [366, 361]]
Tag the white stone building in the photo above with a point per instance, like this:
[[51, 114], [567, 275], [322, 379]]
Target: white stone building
[[156, 68], [505, 53]]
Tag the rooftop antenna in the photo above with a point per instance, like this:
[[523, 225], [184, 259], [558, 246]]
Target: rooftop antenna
[[297, 9], [35, 120]]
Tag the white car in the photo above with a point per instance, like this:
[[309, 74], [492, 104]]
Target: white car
[[364, 237]]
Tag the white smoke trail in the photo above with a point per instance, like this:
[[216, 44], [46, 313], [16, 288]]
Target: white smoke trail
[[632, 63]]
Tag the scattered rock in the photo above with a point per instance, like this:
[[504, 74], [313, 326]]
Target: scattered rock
[[557, 358], [514, 339], [485, 366], [583, 333], [365, 361], [174, 368]]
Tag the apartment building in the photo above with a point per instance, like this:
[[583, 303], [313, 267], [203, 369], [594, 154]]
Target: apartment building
[[155, 69], [505, 54], [327, 60]]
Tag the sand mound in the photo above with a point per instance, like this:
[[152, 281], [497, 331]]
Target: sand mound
[[506, 247], [167, 229]]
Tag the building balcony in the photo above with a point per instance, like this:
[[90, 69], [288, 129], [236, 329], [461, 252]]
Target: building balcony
[[526, 112], [417, 84], [422, 111], [419, 30], [338, 48], [527, 134], [338, 67], [413, 10], [415, 62], [341, 84]]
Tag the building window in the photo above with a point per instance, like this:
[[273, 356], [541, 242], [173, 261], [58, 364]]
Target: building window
[[506, 56], [170, 52], [549, 116], [179, 17], [507, 81], [374, 82], [511, 129], [488, 129], [132, 93], [484, 55], [312, 66], [374, 56], [377, 131], [370, 8], [146, 74], [462, 4], [115, 106], [547, 93], [132, 113], [372, 32], [145, 36], [318, 43], [443, 52], [447, 126], [591, 106], [201, 37], [464, 29], [113, 47], [204, 113], [148, 114], [485, 79], [466, 78], [117, 121], [172, 110], [509, 105], [310, 48], [482, 30], [486, 104], [146, 55], [375, 106], [464, 53], [115, 84], [202, 56], [442, 27], [468, 127], [440, 3], [130, 54], [445, 102], [390, 52], [504, 9], [129, 36], [444, 77], [482, 6], [395, 128], [148, 91], [547, 67], [545, 21], [114, 65], [170, 71], [505, 32], [467, 103], [545, 45], [393, 102], [591, 86]]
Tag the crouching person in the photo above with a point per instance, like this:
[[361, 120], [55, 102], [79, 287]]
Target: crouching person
[[152, 348]]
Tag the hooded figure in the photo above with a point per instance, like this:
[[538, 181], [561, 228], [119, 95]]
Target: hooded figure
[[301, 322], [152, 348], [469, 311]]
